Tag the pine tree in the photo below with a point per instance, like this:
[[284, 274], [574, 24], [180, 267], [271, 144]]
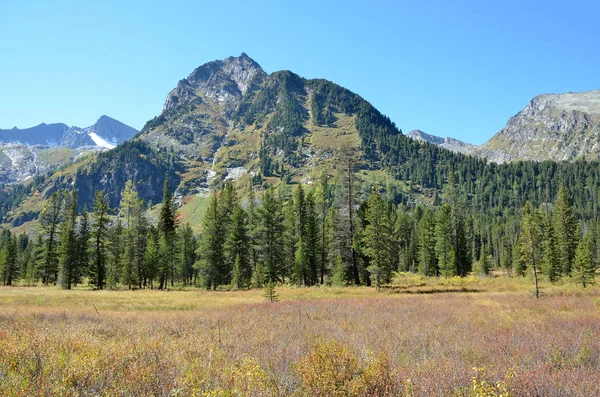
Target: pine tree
[[311, 240], [345, 230], [50, 219], [444, 247], [166, 228], [100, 238], [585, 263], [530, 242], [566, 230], [426, 244], [130, 205], [67, 251], [116, 244], [551, 260], [211, 243], [8, 260], [298, 220], [83, 248], [188, 249], [325, 220], [270, 235], [377, 239], [237, 248], [270, 294], [152, 258]]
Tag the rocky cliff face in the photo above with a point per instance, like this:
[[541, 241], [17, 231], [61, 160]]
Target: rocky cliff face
[[551, 127], [223, 81], [452, 144]]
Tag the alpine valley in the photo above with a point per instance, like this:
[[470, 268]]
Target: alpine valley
[[230, 120]]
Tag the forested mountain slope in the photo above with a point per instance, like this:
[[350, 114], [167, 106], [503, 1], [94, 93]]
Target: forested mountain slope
[[230, 120]]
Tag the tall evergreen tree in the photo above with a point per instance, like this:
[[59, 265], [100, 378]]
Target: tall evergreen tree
[[211, 244], [83, 248], [530, 242], [67, 250], [586, 262], [50, 220], [134, 232], [188, 249], [426, 242], [325, 220], [237, 248], [377, 239], [444, 247], [100, 237], [551, 261], [566, 230], [116, 243], [166, 228], [9, 269], [270, 235]]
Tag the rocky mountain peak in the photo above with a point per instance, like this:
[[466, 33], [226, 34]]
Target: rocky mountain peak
[[449, 143], [223, 81], [551, 127], [419, 135]]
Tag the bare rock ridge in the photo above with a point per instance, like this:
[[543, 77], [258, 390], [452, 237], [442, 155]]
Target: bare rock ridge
[[225, 81], [452, 144], [551, 127]]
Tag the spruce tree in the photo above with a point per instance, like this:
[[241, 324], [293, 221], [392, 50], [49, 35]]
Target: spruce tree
[[531, 242], [83, 248], [211, 244], [116, 243], [50, 220], [566, 230], [166, 229], [237, 248], [551, 261], [8, 260], [270, 235], [187, 259], [67, 251], [152, 259], [377, 240], [100, 240], [426, 244], [325, 221], [444, 247], [585, 263]]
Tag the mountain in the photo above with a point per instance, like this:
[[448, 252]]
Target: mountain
[[43, 134], [105, 133], [41, 149], [551, 127], [230, 120], [452, 144]]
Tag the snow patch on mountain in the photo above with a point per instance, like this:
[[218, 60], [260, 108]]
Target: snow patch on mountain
[[99, 141]]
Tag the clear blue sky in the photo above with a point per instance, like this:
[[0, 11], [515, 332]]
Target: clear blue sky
[[451, 68]]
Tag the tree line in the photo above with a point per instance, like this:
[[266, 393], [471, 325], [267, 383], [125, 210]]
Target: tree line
[[321, 233]]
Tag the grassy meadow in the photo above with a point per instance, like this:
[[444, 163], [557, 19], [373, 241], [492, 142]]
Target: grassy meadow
[[419, 337]]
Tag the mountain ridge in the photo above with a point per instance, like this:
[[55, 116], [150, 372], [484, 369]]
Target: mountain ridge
[[559, 127], [449, 143]]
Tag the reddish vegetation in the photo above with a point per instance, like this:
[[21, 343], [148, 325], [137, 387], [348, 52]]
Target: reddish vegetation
[[375, 345]]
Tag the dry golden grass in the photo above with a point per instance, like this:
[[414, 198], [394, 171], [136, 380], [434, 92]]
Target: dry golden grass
[[316, 341]]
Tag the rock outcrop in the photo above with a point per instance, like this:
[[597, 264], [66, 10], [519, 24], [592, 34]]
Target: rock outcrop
[[551, 127]]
